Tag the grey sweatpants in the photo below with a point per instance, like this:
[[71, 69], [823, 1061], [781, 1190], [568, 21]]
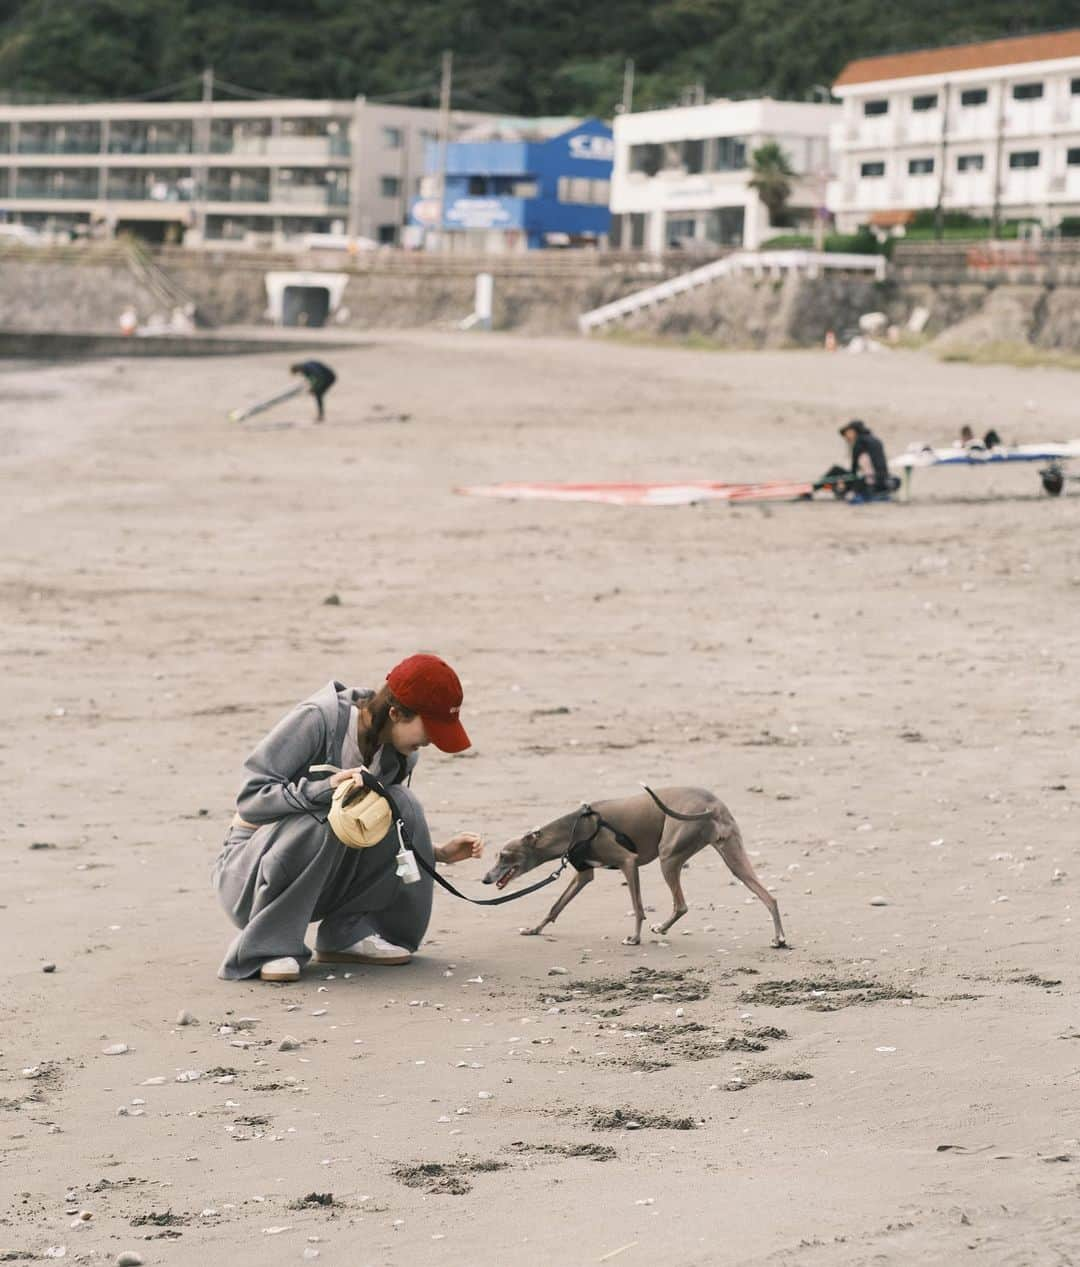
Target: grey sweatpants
[[273, 884]]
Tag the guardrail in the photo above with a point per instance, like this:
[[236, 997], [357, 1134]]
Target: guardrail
[[760, 263], [165, 289], [985, 259]]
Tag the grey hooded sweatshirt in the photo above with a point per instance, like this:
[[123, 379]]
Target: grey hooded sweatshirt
[[287, 869]]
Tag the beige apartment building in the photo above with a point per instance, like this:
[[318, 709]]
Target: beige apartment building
[[228, 173]]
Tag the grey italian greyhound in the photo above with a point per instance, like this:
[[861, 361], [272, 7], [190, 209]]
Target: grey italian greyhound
[[627, 834]]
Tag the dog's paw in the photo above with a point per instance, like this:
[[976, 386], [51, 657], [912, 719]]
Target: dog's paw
[[529, 932], [631, 941], [657, 928], [780, 943]]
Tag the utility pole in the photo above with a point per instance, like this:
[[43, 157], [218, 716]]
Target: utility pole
[[820, 212], [202, 145], [939, 210], [356, 153], [995, 215], [444, 139], [628, 86]]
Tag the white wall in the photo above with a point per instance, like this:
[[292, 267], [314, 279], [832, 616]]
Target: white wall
[[801, 128], [1049, 124]]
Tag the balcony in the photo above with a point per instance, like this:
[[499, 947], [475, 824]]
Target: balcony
[[312, 197], [136, 146], [969, 190], [1020, 186], [38, 192], [155, 191], [301, 148], [974, 123], [237, 193], [50, 145]]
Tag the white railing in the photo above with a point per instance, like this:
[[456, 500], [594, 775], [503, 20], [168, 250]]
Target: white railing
[[760, 263]]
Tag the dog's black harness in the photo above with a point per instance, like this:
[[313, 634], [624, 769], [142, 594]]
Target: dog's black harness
[[574, 854], [577, 850]]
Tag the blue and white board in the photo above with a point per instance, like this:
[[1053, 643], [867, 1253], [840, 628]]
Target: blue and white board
[[978, 455]]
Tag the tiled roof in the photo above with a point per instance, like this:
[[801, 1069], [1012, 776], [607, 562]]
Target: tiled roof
[[939, 61]]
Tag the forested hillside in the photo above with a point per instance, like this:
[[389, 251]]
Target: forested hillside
[[563, 56]]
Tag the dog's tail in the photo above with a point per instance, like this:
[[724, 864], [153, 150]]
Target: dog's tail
[[671, 813]]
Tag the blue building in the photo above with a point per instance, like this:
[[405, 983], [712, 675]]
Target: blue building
[[522, 183]]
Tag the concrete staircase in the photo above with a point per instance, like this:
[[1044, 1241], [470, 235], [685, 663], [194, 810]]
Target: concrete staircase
[[760, 263]]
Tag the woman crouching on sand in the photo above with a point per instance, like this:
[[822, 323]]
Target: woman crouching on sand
[[283, 868]]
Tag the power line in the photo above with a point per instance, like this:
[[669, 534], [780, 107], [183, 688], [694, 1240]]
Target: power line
[[238, 91], [41, 98]]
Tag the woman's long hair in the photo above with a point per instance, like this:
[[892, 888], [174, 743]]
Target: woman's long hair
[[378, 732]]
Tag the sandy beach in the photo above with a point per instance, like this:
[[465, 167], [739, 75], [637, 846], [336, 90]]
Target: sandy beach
[[883, 695]]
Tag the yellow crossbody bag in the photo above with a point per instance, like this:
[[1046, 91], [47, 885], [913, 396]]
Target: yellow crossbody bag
[[359, 817]]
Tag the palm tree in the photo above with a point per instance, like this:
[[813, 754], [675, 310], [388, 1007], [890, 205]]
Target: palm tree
[[771, 179]]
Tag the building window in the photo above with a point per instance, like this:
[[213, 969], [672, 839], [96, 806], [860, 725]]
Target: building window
[[387, 234], [881, 106], [389, 186], [577, 189], [1072, 157], [693, 157], [869, 171], [392, 138], [974, 97], [1074, 87], [1024, 158], [678, 232], [524, 189], [477, 186], [1027, 92], [646, 159], [926, 102], [730, 154], [969, 163], [920, 166]]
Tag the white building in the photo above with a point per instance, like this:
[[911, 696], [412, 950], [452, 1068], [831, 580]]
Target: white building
[[255, 173], [988, 129], [682, 175]]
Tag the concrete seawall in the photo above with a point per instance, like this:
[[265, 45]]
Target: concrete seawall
[[87, 290], [84, 291], [48, 345]]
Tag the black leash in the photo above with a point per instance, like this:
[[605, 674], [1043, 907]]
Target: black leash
[[490, 901], [506, 897], [574, 854]]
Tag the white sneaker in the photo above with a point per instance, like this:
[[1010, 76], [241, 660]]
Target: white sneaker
[[373, 949], [286, 969]]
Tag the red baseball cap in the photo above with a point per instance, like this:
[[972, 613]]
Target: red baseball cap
[[431, 688]]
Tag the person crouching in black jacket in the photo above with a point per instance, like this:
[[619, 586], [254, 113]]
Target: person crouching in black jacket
[[869, 476]]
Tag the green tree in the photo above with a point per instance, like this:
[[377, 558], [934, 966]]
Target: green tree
[[771, 177], [511, 57]]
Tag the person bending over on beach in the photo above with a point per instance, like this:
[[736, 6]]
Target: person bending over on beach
[[320, 378], [282, 868]]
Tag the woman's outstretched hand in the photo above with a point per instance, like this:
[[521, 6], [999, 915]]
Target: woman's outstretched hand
[[342, 775], [464, 845]]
